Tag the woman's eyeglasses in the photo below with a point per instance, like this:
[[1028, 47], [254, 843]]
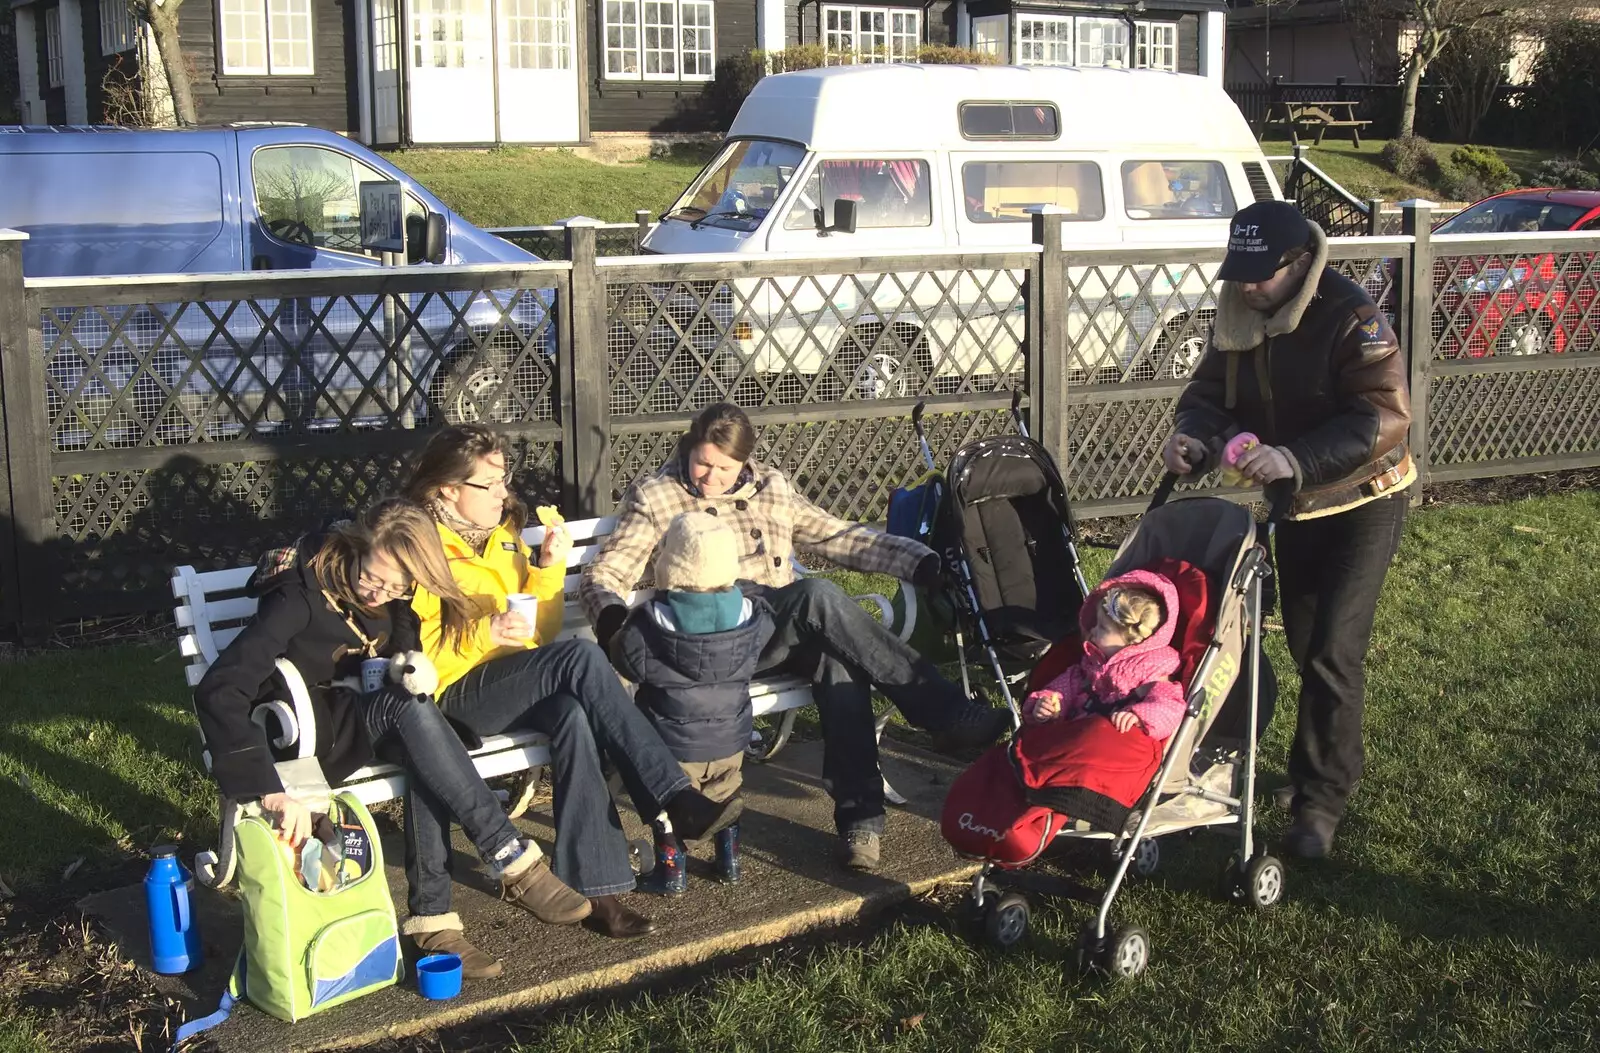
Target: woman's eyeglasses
[[494, 484], [382, 588]]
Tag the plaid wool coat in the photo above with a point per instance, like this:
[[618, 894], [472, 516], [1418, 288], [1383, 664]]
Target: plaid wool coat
[[766, 514]]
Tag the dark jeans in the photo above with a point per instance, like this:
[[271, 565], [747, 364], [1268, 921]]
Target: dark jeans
[[443, 787], [824, 635], [569, 692], [1330, 574]]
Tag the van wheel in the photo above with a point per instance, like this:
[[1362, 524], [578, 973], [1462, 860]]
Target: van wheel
[[473, 386], [1181, 342], [877, 368]]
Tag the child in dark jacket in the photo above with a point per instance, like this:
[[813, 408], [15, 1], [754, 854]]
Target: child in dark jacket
[[692, 651]]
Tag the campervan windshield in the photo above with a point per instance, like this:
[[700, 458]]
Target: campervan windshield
[[739, 188]]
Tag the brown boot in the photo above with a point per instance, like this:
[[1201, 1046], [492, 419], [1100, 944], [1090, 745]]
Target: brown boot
[[616, 919], [441, 934], [537, 890]]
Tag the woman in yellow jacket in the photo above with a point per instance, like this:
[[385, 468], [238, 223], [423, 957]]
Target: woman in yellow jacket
[[508, 675]]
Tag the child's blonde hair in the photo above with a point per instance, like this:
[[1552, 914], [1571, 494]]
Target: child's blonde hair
[[1134, 610]]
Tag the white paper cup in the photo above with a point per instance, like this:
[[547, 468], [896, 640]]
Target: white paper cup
[[372, 672], [527, 605]]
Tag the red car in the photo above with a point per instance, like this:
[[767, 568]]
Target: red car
[[1525, 303]]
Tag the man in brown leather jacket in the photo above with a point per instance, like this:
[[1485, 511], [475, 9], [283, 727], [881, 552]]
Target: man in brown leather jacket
[[1302, 357]]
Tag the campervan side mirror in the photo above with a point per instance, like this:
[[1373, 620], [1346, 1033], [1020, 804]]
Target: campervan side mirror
[[844, 218], [426, 238]]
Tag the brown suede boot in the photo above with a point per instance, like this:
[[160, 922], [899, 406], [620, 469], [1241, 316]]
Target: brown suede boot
[[441, 934], [533, 887]]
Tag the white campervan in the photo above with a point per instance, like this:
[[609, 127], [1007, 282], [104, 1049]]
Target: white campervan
[[871, 159]]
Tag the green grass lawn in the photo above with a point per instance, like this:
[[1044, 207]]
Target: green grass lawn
[[1364, 175], [518, 187], [1460, 912]]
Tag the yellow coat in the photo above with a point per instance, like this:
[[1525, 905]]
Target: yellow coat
[[506, 566]]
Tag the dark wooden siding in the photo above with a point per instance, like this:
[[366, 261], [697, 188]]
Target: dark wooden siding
[[10, 75], [667, 106], [939, 22], [323, 99], [1188, 42], [55, 99]]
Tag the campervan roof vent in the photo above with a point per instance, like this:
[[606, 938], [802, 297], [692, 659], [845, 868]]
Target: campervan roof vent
[[1260, 182]]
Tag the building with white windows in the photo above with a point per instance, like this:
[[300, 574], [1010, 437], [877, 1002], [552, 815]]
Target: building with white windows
[[475, 72]]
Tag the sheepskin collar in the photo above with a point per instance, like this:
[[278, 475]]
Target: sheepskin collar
[[1239, 327]]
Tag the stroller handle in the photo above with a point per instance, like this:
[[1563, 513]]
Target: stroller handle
[[1279, 495]]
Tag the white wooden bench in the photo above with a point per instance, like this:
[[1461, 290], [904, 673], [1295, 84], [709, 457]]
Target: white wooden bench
[[212, 609]]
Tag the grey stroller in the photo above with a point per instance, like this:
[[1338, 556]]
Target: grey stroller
[[1206, 777]]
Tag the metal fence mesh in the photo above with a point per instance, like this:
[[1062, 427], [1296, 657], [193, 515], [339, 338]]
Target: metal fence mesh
[[679, 346]]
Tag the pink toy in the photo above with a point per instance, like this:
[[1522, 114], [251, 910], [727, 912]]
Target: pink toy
[[1230, 456]]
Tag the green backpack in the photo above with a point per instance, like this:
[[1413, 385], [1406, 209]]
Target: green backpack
[[307, 951]]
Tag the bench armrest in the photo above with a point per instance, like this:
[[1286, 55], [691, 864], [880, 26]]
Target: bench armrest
[[304, 717]]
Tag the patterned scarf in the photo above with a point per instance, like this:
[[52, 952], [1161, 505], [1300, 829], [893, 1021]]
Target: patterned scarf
[[475, 536]]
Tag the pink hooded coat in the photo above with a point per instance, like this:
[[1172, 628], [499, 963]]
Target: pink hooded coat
[[1151, 661]]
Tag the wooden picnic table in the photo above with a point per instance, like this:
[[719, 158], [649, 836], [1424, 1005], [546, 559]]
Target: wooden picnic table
[[1319, 115]]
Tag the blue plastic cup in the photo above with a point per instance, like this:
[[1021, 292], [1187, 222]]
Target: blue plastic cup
[[439, 976]]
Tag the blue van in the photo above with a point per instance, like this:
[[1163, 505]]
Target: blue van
[[114, 201]]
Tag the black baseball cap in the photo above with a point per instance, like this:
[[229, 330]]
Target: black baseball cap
[[1259, 236]]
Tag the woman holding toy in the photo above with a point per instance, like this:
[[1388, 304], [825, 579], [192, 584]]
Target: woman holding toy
[[508, 672], [1304, 385], [330, 604]]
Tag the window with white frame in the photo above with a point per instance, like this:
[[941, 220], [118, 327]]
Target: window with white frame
[[1156, 46], [871, 34], [52, 47], [537, 33], [116, 27], [266, 38], [989, 35], [660, 39], [1044, 40], [1102, 42]]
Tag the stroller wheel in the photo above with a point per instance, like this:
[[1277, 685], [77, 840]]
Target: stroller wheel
[[1122, 955], [1263, 882], [1005, 920]]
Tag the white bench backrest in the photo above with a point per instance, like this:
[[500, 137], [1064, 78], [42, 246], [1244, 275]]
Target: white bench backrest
[[212, 607]]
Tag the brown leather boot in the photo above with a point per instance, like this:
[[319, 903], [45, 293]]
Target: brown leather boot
[[616, 919], [537, 890], [441, 934]]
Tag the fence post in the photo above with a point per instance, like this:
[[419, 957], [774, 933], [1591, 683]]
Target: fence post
[[1417, 223], [1047, 344], [585, 381], [27, 532], [641, 219], [1374, 217]]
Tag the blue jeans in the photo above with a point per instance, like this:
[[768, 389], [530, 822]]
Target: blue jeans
[[824, 635], [569, 692], [443, 786]]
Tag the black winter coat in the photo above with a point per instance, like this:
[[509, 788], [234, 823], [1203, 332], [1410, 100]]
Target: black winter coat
[[293, 620], [694, 688]]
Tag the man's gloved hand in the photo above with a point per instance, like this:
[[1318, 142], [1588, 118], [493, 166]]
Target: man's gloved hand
[[608, 623]]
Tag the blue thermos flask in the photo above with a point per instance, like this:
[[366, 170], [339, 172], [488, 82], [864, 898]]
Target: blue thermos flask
[[174, 931]]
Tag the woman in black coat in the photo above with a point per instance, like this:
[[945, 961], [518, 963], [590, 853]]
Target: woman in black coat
[[328, 604]]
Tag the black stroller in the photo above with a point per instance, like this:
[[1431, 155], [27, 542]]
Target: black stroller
[[1004, 530]]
